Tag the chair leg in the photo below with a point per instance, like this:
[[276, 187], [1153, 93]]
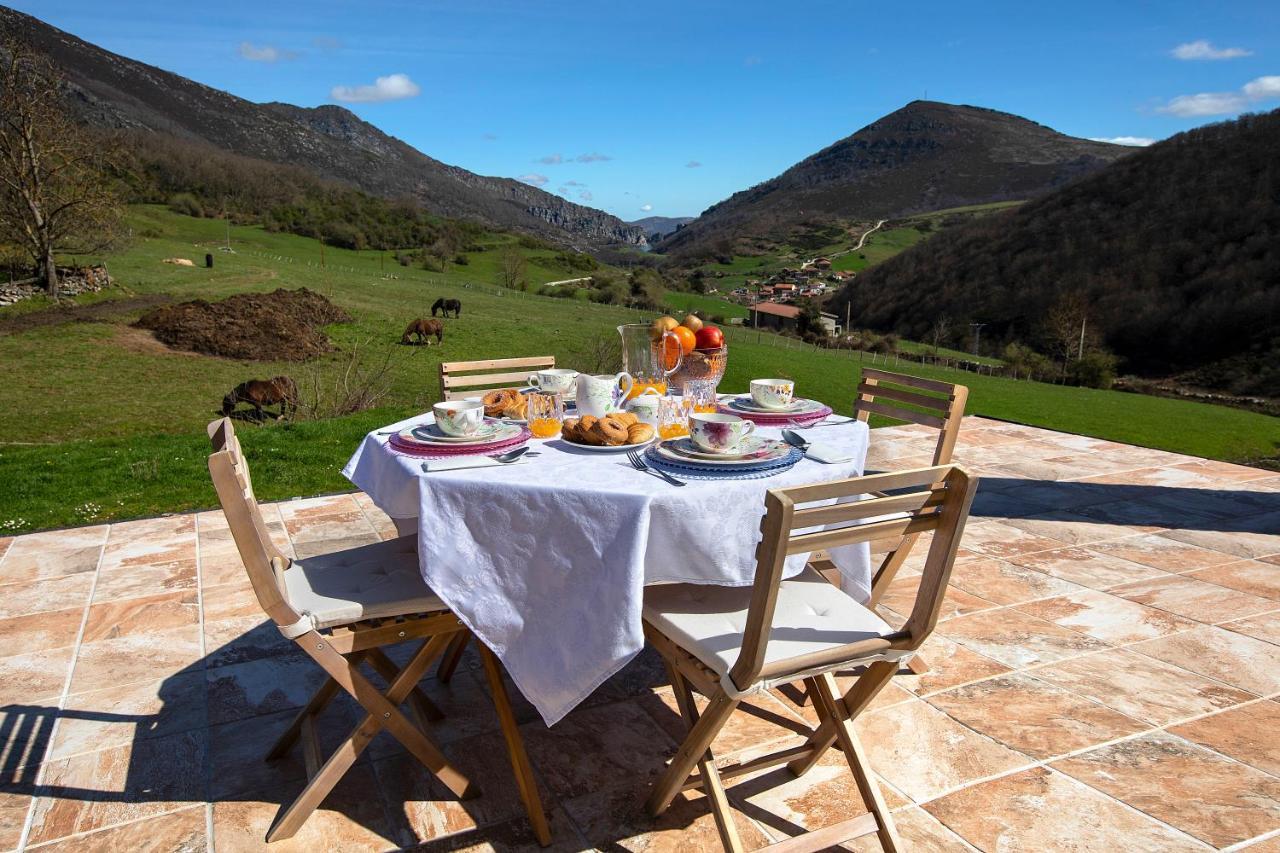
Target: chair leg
[[520, 766], [713, 785], [423, 707], [690, 752], [917, 665], [855, 702], [452, 657], [318, 701], [823, 688]]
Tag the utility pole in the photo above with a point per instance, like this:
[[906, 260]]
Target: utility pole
[[1080, 354], [322, 253], [977, 337], [848, 306]]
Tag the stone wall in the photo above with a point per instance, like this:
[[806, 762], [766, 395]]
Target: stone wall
[[72, 281]]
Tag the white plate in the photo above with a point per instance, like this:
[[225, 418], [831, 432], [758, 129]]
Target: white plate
[[499, 432], [797, 407], [606, 448], [730, 462], [684, 446]]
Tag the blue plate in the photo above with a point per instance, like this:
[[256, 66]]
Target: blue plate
[[712, 471]]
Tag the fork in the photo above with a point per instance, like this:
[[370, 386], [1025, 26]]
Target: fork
[[637, 462], [819, 423]]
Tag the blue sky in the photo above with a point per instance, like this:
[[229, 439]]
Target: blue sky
[[659, 108]]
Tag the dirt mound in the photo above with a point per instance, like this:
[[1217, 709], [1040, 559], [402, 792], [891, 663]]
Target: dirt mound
[[283, 325]]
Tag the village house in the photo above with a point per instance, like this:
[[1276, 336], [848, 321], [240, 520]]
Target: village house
[[769, 315]]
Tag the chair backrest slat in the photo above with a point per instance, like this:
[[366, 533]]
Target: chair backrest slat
[[934, 500], [464, 378], [943, 412], [263, 562]]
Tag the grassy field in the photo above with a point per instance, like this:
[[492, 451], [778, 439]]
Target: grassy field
[[708, 306], [101, 422]]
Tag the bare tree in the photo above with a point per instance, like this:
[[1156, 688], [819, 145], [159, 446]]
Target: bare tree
[[938, 333], [55, 191], [513, 267], [1066, 328]]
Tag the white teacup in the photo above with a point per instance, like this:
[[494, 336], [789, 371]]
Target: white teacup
[[716, 433], [459, 417], [556, 380], [773, 393], [599, 395], [645, 407]]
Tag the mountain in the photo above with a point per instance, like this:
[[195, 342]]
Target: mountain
[[661, 225], [925, 156], [1174, 251], [112, 91]]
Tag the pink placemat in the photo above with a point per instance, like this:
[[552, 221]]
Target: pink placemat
[[417, 450], [778, 420]]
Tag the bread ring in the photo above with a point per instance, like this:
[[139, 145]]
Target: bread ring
[[610, 432], [588, 436], [639, 433], [625, 418], [497, 401], [586, 422]]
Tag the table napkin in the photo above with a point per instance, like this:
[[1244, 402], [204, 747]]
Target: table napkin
[[820, 452], [458, 463]]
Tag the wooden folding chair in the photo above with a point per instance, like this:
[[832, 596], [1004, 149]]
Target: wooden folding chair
[[467, 378], [342, 609], [731, 642]]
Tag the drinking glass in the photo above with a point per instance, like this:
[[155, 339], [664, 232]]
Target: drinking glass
[[545, 413], [701, 394], [673, 417]]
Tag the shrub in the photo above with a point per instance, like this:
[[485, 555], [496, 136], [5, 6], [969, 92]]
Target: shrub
[[461, 259], [186, 204], [1096, 370]]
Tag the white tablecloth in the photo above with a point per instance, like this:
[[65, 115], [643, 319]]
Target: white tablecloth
[[546, 561]]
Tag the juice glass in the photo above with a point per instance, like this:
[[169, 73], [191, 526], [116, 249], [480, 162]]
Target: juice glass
[[673, 417], [545, 413], [701, 394]]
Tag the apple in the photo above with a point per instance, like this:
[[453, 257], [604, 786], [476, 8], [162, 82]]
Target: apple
[[661, 325], [693, 323], [708, 337]]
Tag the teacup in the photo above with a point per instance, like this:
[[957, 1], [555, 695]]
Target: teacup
[[599, 395], [645, 407], [459, 417], [716, 433], [773, 393], [554, 381]]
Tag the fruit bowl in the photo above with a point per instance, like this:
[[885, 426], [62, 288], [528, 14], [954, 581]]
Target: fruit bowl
[[701, 364]]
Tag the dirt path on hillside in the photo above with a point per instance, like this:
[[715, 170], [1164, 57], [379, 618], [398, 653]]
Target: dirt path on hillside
[[97, 312]]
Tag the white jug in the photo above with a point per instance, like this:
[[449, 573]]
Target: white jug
[[600, 395]]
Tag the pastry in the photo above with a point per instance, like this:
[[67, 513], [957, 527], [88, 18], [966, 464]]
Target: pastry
[[609, 431], [497, 401], [517, 407], [625, 418], [639, 433]]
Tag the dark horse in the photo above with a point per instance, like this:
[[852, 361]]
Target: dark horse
[[263, 392], [447, 305], [424, 329]]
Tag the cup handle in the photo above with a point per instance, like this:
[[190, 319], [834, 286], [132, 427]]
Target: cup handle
[[625, 384], [679, 353], [534, 381], [748, 427]]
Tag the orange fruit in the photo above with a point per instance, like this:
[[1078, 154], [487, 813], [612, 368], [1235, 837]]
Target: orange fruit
[[688, 340]]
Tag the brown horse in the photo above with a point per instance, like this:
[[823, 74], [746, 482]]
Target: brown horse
[[263, 392], [424, 329]]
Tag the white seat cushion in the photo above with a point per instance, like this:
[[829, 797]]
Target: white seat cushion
[[378, 580], [811, 615]]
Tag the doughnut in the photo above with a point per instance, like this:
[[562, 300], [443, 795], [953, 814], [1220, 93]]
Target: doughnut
[[586, 422], [610, 432], [639, 433], [497, 401], [588, 436]]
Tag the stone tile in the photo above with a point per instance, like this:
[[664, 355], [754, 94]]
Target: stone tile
[[1193, 789], [922, 752], [1018, 639], [137, 581], [178, 831], [1141, 687], [950, 664], [1253, 577], [136, 657], [1225, 470], [1106, 617], [1038, 810], [920, 832], [125, 617], [1162, 553], [1265, 627], [314, 548], [248, 638], [1005, 583], [30, 564], [136, 781], [1069, 527], [1086, 567], [993, 539], [34, 678], [1143, 516], [796, 700], [146, 543], [117, 716], [301, 510], [1248, 539], [759, 725], [261, 687], [1187, 595], [1229, 657], [13, 817], [46, 596], [344, 525], [1246, 733], [351, 818], [237, 752], [1033, 716], [40, 631], [900, 597]]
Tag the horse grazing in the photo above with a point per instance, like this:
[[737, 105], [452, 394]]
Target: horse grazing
[[447, 305], [263, 392], [424, 329]]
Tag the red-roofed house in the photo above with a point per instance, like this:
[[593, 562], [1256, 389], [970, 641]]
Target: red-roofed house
[[769, 315]]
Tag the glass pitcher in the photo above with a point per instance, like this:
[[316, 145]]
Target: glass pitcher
[[649, 361]]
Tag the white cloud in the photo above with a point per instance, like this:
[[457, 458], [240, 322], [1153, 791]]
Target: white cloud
[[266, 53], [550, 160], [393, 87], [1224, 103], [574, 184], [693, 164], [1202, 49], [593, 157], [646, 207], [585, 195], [1135, 141], [533, 179]]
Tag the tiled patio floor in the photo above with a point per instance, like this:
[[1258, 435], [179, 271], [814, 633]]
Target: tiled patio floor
[[1107, 677]]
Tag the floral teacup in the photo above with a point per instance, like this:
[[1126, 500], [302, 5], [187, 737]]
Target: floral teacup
[[600, 395], [717, 433], [773, 393], [556, 380], [459, 417]]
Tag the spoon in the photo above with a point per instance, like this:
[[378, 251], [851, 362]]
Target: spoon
[[794, 439]]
